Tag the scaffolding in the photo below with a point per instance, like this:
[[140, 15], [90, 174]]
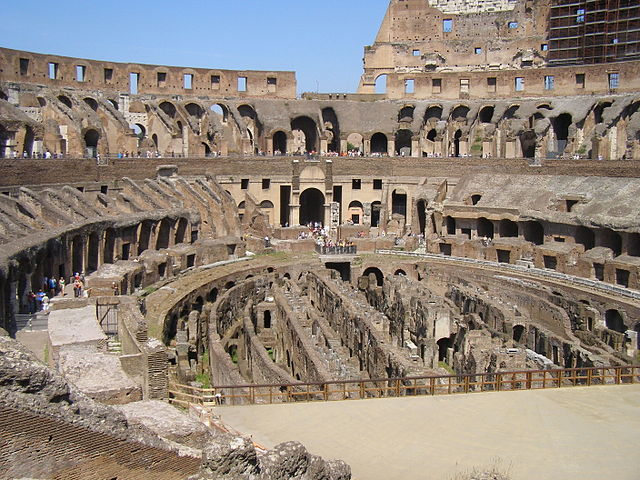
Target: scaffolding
[[593, 31]]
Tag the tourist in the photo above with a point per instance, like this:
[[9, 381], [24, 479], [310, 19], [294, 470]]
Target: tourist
[[39, 296], [53, 285], [77, 287], [61, 285], [31, 302], [116, 290]]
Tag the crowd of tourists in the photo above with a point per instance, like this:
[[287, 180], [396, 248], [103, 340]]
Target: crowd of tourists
[[52, 287]]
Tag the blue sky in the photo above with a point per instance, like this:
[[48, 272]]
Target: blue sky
[[321, 40]]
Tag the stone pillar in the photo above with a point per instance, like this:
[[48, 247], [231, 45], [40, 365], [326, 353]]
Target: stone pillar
[[366, 147], [270, 145], [415, 148], [343, 145], [366, 213], [391, 148], [324, 146]]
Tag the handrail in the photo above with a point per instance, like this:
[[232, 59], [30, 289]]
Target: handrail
[[360, 389]]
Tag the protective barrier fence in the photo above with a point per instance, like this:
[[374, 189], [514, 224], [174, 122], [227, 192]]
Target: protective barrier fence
[[184, 395]]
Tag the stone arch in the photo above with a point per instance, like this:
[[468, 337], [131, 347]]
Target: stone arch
[[400, 272], [433, 112], [381, 83], [508, 228], [455, 143], [485, 227], [356, 211], [181, 230], [399, 202], [194, 110], [528, 143], [611, 240], [331, 128], [586, 237], [113, 103], [378, 274], [459, 113], [376, 207], [311, 206], [91, 140], [91, 103], [379, 143], [355, 142], [279, 142], [168, 108], [599, 109], [518, 333], [486, 114], [65, 101], [164, 233], [533, 232], [309, 130], [221, 111], [406, 113], [614, 320], [511, 112], [403, 142]]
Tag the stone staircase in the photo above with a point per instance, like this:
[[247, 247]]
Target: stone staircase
[[114, 346]]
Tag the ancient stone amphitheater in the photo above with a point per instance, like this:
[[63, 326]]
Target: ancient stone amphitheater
[[473, 210]]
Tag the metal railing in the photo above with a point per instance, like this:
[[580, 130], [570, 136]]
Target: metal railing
[[184, 395], [336, 250]]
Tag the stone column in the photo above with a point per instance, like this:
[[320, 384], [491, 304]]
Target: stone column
[[415, 148], [391, 148]]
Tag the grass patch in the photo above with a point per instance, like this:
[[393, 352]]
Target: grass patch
[[204, 379], [149, 290], [446, 366]]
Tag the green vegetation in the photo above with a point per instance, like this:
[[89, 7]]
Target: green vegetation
[[149, 290], [271, 353], [46, 353], [446, 366], [204, 380]]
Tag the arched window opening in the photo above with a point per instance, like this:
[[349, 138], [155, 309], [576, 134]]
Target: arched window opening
[[181, 230], [485, 228], [379, 143], [486, 114], [528, 143], [444, 344], [139, 132], [306, 129], [377, 273], [586, 237], [212, 296], [633, 244], [91, 138], [164, 233], [91, 103], [65, 101], [332, 129], [406, 113], [533, 232], [29, 138], [113, 103], [460, 113], [475, 199], [614, 321], [433, 112], [598, 111], [168, 108], [399, 203], [311, 206], [508, 228], [221, 112], [612, 240], [279, 143], [375, 213], [381, 84], [403, 143], [456, 143], [355, 143], [400, 273], [450, 224], [194, 110], [518, 333], [511, 112]]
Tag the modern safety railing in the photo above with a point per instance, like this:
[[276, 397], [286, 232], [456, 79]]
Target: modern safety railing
[[184, 395], [336, 250]]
